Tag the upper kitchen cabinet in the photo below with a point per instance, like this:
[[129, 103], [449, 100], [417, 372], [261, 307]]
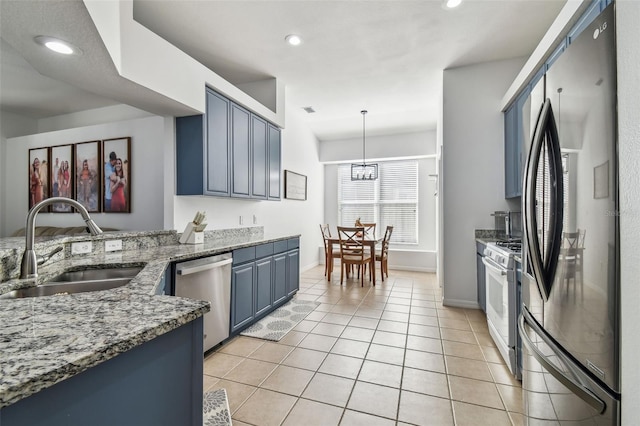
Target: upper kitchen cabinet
[[513, 143], [228, 152]]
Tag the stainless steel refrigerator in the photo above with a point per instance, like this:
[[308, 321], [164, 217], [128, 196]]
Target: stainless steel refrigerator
[[570, 319]]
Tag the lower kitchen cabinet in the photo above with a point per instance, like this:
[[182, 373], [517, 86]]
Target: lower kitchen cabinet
[[129, 389], [263, 278], [481, 278]]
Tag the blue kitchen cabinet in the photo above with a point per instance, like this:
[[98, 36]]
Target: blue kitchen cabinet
[[227, 152], [513, 144], [481, 276], [128, 389], [274, 163], [242, 305], [280, 273], [263, 291], [293, 271], [259, 158]]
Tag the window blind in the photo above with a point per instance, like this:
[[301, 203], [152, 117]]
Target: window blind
[[390, 200]]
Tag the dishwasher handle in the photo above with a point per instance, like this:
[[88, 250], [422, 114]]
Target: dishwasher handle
[[187, 270]]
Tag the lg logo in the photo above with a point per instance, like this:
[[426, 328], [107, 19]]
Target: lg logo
[[598, 30]]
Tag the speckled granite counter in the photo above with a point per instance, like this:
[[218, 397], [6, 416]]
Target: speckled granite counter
[[44, 340]]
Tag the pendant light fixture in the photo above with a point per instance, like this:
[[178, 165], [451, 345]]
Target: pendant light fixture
[[364, 171]]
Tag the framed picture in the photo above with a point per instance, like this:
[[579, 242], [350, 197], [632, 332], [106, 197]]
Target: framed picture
[[61, 176], [38, 176], [295, 186], [88, 175], [601, 180], [116, 187]]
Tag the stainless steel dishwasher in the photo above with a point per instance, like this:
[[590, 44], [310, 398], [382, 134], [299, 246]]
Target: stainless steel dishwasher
[[208, 279]]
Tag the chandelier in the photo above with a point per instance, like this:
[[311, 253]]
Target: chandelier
[[364, 171]]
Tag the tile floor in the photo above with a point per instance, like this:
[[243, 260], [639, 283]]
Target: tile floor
[[384, 355]]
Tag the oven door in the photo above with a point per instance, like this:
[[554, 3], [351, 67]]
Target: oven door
[[499, 316]]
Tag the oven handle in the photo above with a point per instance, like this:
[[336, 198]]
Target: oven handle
[[491, 265], [583, 393]]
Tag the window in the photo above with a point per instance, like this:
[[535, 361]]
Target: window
[[390, 200]]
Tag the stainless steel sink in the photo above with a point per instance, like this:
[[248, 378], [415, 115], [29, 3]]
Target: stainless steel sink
[[78, 282]]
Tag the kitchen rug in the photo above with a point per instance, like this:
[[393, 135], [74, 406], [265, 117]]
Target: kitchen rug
[[215, 408], [279, 322]]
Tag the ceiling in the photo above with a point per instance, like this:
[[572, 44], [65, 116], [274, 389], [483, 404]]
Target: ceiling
[[383, 56]]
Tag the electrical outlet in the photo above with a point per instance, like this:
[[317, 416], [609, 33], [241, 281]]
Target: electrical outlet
[[81, 248], [113, 245]]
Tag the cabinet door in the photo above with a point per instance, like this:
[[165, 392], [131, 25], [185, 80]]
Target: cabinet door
[[259, 158], [274, 163], [240, 152], [279, 277], [217, 154], [263, 285], [293, 271], [241, 296], [482, 295], [189, 154]]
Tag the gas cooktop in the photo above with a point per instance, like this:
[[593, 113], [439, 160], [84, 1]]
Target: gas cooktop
[[511, 245]]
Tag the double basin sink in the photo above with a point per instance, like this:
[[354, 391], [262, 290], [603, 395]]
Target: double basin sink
[[78, 282]]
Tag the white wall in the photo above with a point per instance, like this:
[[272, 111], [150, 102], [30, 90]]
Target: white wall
[[420, 257], [472, 169], [628, 34], [300, 155], [147, 162]]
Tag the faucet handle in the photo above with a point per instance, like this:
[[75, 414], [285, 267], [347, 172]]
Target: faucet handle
[[46, 257]]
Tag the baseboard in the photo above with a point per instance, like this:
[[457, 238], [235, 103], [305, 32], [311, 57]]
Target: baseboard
[[412, 268], [459, 303], [310, 266]]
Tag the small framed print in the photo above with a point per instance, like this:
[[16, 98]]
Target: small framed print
[[116, 187], [88, 175], [38, 176], [61, 176], [295, 186]]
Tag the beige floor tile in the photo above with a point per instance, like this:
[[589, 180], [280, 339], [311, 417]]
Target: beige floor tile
[[424, 331], [421, 303], [381, 374], [458, 335], [462, 350], [427, 382], [357, 333], [237, 393], [469, 368], [241, 346], [374, 399], [484, 339], [333, 330], [366, 312], [265, 408], [395, 316], [315, 316], [475, 392], [388, 354], [450, 312], [340, 365], [491, 354], [392, 326], [271, 352], [350, 348], [305, 358], [395, 300], [511, 397], [431, 321], [479, 326], [305, 325], [517, 419], [425, 344], [419, 409], [424, 361], [288, 380], [371, 323], [355, 418], [312, 413], [208, 382], [219, 364], [340, 319], [237, 422], [292, 338], [458, 324], [344, 309], [318, 342], [474, 415], [329, 389], [390, 339], [419, 310], [502, 375], [250, 372], [392, 307]]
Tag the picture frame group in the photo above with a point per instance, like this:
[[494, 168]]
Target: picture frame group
[[95, 173]]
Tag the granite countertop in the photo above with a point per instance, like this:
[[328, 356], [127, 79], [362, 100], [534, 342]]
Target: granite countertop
[[44, 340]]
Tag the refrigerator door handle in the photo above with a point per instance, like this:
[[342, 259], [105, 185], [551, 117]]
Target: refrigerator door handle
[[583, 393]]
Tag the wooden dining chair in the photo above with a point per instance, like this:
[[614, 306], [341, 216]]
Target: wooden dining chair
[[328, 262], [352, 250], [369, 229], [383, 255]]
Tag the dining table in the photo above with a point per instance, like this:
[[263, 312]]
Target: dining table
[[369, 241]]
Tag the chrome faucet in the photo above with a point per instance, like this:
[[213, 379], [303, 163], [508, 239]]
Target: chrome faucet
[[30, 262]]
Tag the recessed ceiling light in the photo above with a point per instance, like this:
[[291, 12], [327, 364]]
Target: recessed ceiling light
[[450, 4], [58, 45], [293, 39]]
